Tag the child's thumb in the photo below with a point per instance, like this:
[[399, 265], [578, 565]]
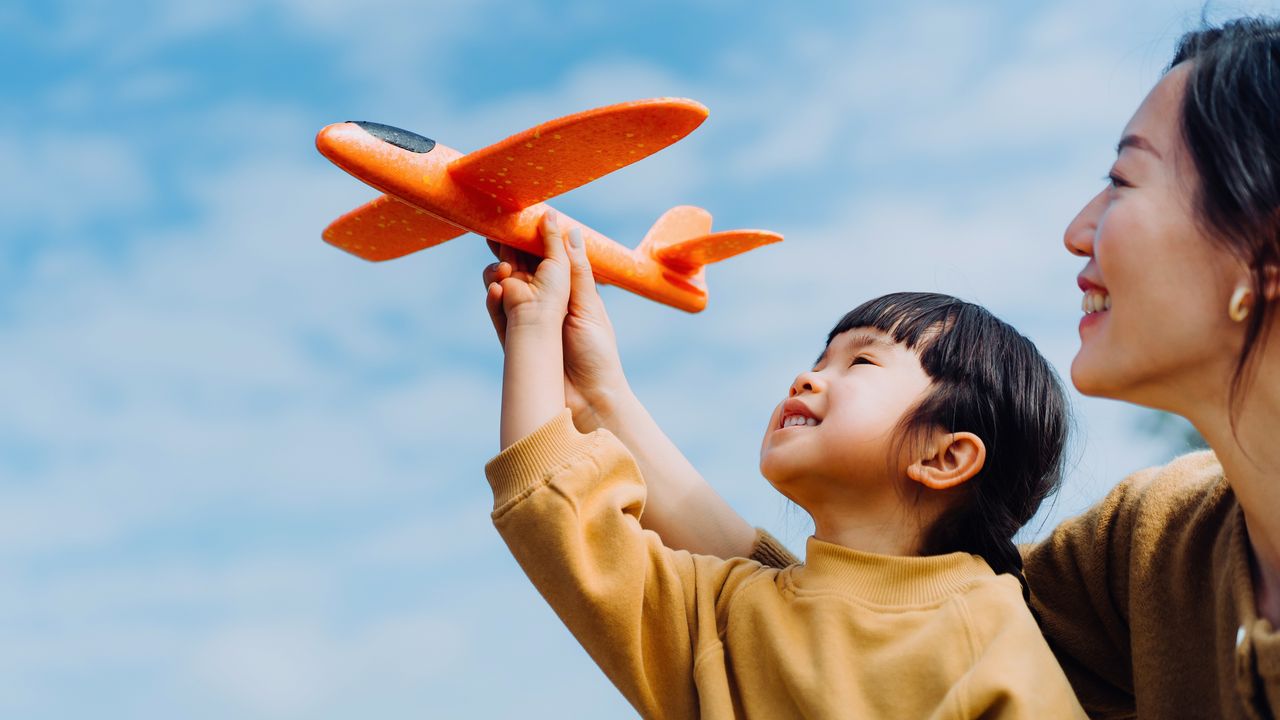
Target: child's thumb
[[552, 235]]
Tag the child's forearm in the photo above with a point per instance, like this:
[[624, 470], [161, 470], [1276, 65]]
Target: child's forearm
[[681, 507], [532, 380]]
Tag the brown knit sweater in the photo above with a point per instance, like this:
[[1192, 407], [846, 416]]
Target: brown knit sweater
[[1147, 600]]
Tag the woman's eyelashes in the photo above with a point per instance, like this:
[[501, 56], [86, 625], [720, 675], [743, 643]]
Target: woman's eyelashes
[[1116, 180]]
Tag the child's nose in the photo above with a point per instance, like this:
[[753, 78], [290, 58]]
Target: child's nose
[[804, 382]]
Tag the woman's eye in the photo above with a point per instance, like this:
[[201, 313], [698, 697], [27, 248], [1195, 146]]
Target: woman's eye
[[1115, 180]]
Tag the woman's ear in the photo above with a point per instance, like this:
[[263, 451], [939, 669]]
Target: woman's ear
[[950, 460], [1271, 288]]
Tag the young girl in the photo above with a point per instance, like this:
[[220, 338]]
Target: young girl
[[926, 433]]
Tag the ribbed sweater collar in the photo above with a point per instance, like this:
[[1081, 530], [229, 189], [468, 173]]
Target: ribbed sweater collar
[[887, 579]]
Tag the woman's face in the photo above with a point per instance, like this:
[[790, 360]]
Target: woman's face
[[1156, 287]]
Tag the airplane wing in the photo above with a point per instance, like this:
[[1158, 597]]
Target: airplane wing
[[386, 228], [560, 155]]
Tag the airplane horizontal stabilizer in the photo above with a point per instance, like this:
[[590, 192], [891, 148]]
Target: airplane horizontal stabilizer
[[705, 249], [387, 228], [682, 240]]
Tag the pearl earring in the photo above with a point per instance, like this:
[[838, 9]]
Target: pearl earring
[[1238, 308]]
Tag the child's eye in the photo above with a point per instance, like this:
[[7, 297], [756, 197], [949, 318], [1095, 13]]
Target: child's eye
[[861, 360]]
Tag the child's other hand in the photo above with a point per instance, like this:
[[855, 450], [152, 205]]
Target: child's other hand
[[594, 381], [531, 292]]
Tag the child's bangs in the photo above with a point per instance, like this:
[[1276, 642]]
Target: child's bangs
[[916, 320]]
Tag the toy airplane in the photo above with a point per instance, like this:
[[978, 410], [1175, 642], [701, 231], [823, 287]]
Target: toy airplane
[[434, 194]]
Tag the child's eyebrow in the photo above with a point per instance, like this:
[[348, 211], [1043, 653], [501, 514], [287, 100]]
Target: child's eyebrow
[[859, 341]]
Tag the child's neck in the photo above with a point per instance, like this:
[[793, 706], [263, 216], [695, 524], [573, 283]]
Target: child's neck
[[869, 530]]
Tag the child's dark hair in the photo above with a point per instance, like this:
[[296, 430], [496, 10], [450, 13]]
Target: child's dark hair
[[991, 381]]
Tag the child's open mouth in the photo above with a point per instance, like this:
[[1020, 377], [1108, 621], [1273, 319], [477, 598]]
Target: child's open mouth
[[795, 413]]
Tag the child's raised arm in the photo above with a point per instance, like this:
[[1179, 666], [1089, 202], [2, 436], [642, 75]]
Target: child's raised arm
[[682, 507], [568, 504], [533, 308]]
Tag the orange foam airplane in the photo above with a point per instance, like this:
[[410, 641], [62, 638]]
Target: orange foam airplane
[[434, 193]]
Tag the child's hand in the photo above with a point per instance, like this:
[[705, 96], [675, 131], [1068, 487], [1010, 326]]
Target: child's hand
[[594, 381], [536, 298]]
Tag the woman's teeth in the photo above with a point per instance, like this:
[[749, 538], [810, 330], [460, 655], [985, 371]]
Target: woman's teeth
[[798, 420], [1095, 301]]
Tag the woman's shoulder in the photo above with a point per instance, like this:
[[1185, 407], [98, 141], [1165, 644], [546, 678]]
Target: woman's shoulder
[[1194, 467], [1188, 484], [1146, 512]]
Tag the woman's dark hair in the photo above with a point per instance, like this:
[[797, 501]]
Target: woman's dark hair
[[991, 381], [1231, 126]]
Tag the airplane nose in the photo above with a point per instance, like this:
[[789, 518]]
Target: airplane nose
[[403, 139]]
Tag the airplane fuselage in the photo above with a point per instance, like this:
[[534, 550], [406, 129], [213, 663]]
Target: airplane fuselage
[[423, 180]]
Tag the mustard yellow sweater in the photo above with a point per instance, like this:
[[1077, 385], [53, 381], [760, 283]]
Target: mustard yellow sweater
[[848, 634]]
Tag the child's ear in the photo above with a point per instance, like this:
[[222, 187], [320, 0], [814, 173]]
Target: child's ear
[[951, 459]]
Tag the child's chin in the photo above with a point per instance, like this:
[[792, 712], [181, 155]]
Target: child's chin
[[769, 470], [781, 478]]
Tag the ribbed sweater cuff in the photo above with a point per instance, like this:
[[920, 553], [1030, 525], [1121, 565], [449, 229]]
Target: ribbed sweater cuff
[[768, 551], [529, 461]]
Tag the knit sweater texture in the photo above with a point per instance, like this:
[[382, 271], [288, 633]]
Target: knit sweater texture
[[848, 634], [1148, 600]]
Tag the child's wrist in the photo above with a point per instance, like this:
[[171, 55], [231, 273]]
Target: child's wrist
[[531, 328], [529, 317]]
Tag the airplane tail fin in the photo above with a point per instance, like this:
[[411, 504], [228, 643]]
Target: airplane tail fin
[[386, 228], [682, 240]]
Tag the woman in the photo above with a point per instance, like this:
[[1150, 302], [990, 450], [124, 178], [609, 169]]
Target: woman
[[1164, 599]]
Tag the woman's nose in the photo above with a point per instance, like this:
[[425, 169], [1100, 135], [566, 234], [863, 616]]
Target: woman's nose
[[1080, 233]]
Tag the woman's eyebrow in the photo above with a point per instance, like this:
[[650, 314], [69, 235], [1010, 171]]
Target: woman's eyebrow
[[1137, 142]]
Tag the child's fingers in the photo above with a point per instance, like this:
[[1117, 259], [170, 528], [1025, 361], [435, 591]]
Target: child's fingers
[[553, 238], [493, 303], [496, 273], [522, 263], [507, 254]]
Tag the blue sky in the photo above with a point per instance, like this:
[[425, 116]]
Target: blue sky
[[241, 472]]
